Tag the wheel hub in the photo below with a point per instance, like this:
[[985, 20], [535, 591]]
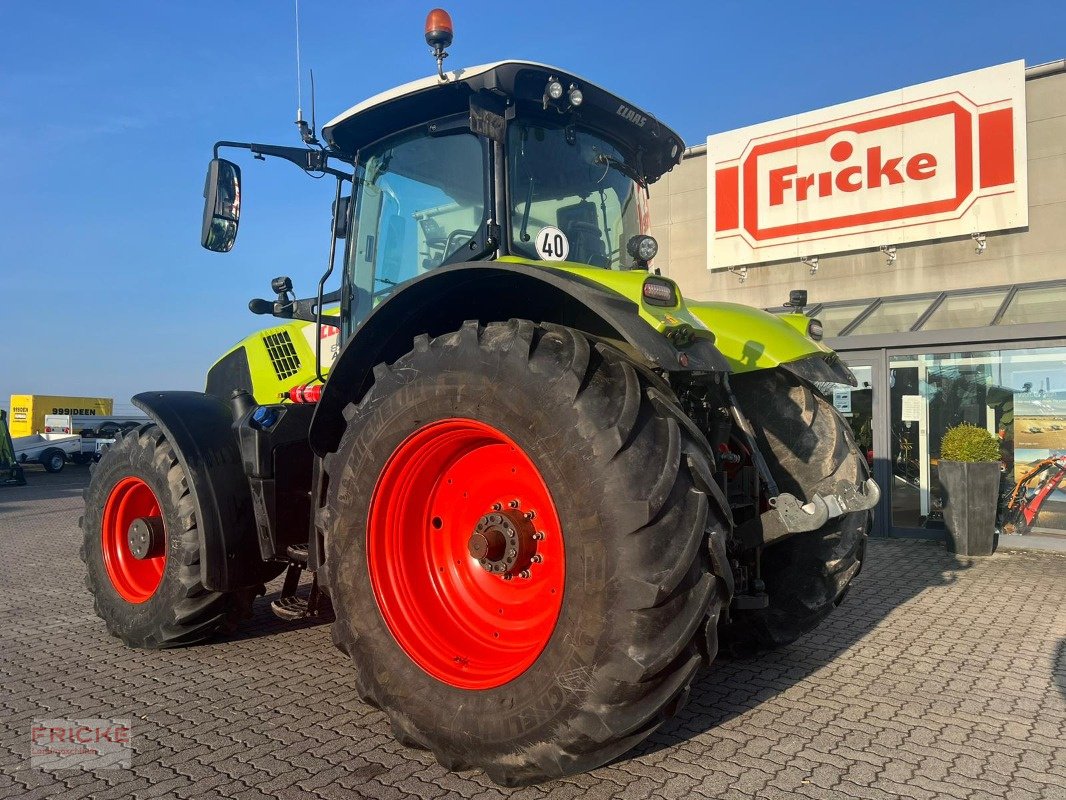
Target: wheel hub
[[133, 539], [146, 537], [466, 554], [504, 543]]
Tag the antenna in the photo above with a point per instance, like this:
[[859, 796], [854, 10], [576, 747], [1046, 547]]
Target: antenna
[[307, 133], [314, 124]]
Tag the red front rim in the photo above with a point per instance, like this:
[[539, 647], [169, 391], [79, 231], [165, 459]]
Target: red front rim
[[463, 624], [134, 579]]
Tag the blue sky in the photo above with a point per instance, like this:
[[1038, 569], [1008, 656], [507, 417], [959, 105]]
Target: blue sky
[[108, 112]]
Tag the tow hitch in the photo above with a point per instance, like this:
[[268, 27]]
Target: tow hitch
[[788, 515]]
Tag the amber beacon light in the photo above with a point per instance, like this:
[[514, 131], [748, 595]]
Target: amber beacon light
[[439, 32]]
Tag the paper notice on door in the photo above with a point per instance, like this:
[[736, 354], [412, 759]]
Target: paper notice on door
[[912, 407], [842, 400]]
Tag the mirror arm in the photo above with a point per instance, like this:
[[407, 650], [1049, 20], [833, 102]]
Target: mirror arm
[[296, 309], [305, 158]]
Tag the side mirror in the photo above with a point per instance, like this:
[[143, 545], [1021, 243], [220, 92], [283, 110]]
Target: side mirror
[[222, 205]]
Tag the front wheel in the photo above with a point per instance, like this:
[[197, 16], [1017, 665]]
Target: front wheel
[[141, 548], [517, 530], [808, 448]]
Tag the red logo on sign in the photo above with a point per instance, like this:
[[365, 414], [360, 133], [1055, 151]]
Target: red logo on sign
[[865, 172]]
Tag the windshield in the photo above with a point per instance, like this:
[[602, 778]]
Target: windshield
[[573, 196], [421, 204]]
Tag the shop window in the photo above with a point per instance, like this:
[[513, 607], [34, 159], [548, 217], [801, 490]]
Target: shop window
[[1018, 395], [835, 318], [1035, 304], [965, 311], [892, 316]]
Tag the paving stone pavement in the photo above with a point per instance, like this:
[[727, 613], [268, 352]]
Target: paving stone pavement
[[937, 678]]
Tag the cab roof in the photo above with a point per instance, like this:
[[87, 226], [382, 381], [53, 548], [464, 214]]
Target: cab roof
[[522, 82]]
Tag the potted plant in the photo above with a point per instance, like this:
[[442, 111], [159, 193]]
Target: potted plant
[[969, 477]]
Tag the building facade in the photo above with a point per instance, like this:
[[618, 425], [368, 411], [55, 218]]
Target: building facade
[[966, 326]]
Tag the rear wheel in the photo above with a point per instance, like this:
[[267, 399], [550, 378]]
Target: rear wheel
[[517, 534], [141, 548], [808, 448]]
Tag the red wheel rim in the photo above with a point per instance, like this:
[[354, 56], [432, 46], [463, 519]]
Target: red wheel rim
[[134, 579], [464, 625]]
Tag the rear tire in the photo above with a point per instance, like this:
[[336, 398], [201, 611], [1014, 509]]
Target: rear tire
[[808, 448], [162, 604], [629, 486]]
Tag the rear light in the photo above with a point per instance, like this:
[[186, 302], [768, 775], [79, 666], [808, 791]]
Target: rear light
[[47, 429], [814, 330], [659, 292]]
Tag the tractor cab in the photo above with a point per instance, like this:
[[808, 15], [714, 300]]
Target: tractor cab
[[512, 158]]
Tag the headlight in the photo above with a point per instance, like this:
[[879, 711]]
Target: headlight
[[642, 248], [576, 97], [814, 330], [555, 89]]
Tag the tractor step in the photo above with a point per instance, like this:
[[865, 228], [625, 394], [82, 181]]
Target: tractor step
[[289, 605]]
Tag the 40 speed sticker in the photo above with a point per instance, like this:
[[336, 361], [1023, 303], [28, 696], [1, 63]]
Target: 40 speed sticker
[[552, 244]]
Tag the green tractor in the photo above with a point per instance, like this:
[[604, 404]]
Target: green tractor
[[536, 488]]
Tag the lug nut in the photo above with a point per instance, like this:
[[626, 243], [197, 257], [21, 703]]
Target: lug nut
[[497, 507], [537, 558], [513, 504], [538, 536], [524, 573], [530, 514]]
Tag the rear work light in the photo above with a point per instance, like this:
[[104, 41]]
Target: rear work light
[[814, 330], [659, 292]]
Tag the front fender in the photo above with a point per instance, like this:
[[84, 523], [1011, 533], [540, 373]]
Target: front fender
[[199, 428], [440, 301], [752, 339]]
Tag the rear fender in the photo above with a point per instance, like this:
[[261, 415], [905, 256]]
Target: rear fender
[[199, 428], [442, 300]]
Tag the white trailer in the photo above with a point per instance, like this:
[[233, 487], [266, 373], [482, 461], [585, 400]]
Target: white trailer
[[59, 443]]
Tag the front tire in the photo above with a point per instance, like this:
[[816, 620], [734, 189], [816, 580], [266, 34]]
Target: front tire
[[543, 667], [808, 448], [157, 601]]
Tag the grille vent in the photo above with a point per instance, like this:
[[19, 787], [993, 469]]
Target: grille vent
[[282, 354]]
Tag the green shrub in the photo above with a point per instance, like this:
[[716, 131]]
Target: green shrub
[[966, 442]]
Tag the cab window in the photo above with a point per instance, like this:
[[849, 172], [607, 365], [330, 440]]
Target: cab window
[[421, 205]]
